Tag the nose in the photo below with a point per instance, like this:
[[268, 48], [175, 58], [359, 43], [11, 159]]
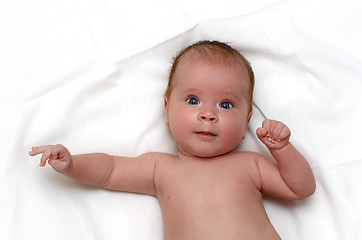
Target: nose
[[207, 116]]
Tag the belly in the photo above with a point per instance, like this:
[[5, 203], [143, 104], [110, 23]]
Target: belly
[[217, 215]]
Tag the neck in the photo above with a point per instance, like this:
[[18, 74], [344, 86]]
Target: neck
[[181, 155]]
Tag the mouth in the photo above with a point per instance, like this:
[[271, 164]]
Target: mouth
[[206, 134]]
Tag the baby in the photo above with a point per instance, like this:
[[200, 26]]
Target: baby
[[208, 190]]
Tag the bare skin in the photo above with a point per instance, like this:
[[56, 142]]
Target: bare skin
[[201, 198], [228, 209], [206, 191]]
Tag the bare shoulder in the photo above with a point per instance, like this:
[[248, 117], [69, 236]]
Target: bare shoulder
[[156, 156], [248, 157], [252, 157], [250, 161]]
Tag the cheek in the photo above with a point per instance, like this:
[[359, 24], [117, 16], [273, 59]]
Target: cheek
[[179, 120], [234, 128]]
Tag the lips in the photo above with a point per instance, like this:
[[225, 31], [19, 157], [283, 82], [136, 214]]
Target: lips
[[206, 134]]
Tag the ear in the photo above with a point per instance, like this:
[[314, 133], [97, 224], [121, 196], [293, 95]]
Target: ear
[[250, 115], [248, 121], [165, 102]]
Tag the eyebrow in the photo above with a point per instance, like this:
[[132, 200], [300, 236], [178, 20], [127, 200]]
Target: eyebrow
[[225, 93], [237, 97], [192, 90]]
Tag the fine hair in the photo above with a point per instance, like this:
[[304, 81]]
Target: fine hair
[[212, 52]]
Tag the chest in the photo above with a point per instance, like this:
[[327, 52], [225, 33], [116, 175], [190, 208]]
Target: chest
[[207, 184]]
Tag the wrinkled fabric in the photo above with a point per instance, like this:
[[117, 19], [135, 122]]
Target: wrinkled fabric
[[91, 76]]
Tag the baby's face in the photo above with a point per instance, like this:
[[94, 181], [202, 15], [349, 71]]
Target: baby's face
[[207, 111]]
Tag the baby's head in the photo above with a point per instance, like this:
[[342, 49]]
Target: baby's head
[[213, 52], [208, 101]]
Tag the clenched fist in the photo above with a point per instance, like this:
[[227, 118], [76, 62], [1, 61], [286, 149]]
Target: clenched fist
[[274, 134]]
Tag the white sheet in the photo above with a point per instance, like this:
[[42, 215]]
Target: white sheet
[[91, 75]]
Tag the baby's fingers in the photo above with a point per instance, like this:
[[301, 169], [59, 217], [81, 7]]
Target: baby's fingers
[[37, 150], [43, 160], [45, 150], [261, 132], [284, 133], [276, 133]]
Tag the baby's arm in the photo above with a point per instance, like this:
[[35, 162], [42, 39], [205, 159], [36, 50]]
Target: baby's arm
[[291, 177], [102, 170]]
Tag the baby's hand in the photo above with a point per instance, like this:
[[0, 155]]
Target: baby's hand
[[57, 155], [274, 134]]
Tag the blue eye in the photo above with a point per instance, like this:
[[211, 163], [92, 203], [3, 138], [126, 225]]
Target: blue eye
[[226, 105], [193, 101]]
